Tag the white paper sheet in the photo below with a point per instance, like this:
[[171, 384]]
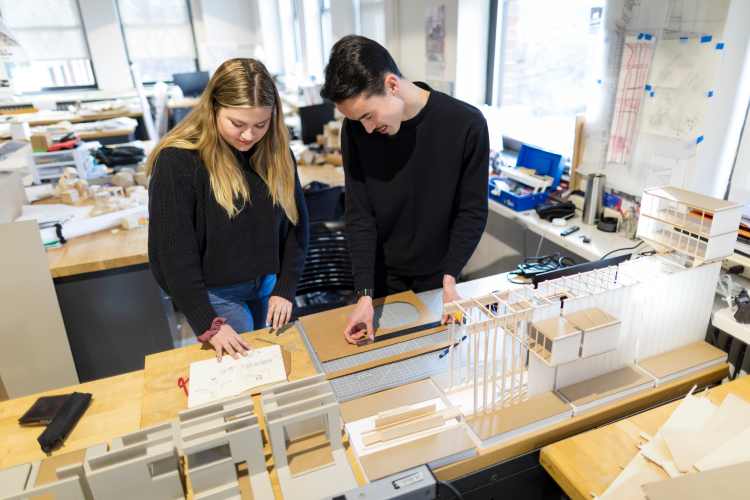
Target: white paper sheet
[[212, 380]]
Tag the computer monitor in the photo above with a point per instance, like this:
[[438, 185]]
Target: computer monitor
[[312, 118], [192, 84]]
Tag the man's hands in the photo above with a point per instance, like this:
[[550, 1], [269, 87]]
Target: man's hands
[[279, 312], [227, 340], [449, 295], [359, 329]]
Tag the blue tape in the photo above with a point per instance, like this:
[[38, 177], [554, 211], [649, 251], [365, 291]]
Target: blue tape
[[647, 87], [706, 38], [699, 139], [710, 93], [720, 46]]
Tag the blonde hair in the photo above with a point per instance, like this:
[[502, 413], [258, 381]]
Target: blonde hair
[[237, 83]]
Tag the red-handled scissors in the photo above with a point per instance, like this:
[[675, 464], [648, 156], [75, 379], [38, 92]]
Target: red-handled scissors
[[182, 383]]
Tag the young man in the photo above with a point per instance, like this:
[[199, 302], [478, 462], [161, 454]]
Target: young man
[[416, 165]]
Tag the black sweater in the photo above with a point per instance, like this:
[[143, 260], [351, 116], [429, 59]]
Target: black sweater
[[418, 199], [193, 244]]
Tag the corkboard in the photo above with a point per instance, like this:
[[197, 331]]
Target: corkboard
[[325, 330]]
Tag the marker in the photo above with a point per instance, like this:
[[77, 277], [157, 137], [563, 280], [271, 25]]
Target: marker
[[445, 351]]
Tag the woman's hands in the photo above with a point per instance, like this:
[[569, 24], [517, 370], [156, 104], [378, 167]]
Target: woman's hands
[[229, 341]]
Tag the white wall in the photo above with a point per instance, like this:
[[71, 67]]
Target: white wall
[[726, 115], [410, 43]]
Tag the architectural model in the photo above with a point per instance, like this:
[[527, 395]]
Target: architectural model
[[303, 418]]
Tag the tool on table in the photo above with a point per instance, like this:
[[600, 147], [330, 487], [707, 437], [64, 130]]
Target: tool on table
[[43, 411], [182, 383], [64, 421], [569, 231], [447, 349]]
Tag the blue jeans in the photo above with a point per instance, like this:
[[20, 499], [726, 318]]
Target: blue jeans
[[244, 305]]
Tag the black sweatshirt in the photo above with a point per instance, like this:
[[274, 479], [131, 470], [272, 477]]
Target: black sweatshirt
[[193, 244], [418, 199]]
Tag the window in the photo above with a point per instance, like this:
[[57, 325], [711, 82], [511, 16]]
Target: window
[[313, 39], [291, 39], [326, 29], [51, 36], [740, 180], [542, 68], [158, 37]]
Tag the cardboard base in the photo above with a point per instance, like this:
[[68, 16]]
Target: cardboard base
[[606, 388], [679, 362], [506, 423]]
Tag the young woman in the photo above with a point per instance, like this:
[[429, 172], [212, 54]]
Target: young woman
[[228, 223]]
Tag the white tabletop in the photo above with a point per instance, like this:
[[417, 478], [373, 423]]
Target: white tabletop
[[601, 243]]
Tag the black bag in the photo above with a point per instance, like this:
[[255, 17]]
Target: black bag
[[119, 156]]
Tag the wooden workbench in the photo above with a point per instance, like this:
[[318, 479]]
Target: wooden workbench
[[587, 464], [46, 118], [115, 410], [140, 399], [163, 399], [99, 251], [106, 250]]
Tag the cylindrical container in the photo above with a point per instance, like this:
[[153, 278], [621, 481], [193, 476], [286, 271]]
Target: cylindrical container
[[592, 203]]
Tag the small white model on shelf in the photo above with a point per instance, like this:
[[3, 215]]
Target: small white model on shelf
[[702, 228]]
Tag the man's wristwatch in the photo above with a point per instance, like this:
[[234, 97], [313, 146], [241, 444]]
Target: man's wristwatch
[[363, 292]]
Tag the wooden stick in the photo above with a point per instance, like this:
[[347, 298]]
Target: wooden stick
[[401, 414], [410, 427]]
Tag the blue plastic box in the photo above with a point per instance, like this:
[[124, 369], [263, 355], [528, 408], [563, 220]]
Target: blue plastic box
[[544, 163]]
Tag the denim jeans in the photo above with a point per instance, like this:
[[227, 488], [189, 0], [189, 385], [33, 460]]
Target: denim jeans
[[244, 305]]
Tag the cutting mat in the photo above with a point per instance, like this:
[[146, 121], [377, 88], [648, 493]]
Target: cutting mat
[[325, 330]]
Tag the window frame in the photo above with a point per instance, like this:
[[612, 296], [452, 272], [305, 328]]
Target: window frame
[[191, 23], [67, 88], [496, 58]]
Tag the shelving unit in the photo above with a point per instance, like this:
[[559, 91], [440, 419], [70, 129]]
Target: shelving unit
[[48, 167]]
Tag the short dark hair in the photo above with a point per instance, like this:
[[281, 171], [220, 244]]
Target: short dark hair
[[357, 64]]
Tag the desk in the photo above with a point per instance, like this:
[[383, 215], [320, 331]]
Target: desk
[[601, 242], [329, 174], [140, 399], [115, 410], [113, 310], [107, 137], [589, 462], [182, 102], [51, 117], [99, 251]]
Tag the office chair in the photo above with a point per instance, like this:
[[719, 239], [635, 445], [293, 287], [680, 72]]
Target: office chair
[[192, 84], [312, 118]]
